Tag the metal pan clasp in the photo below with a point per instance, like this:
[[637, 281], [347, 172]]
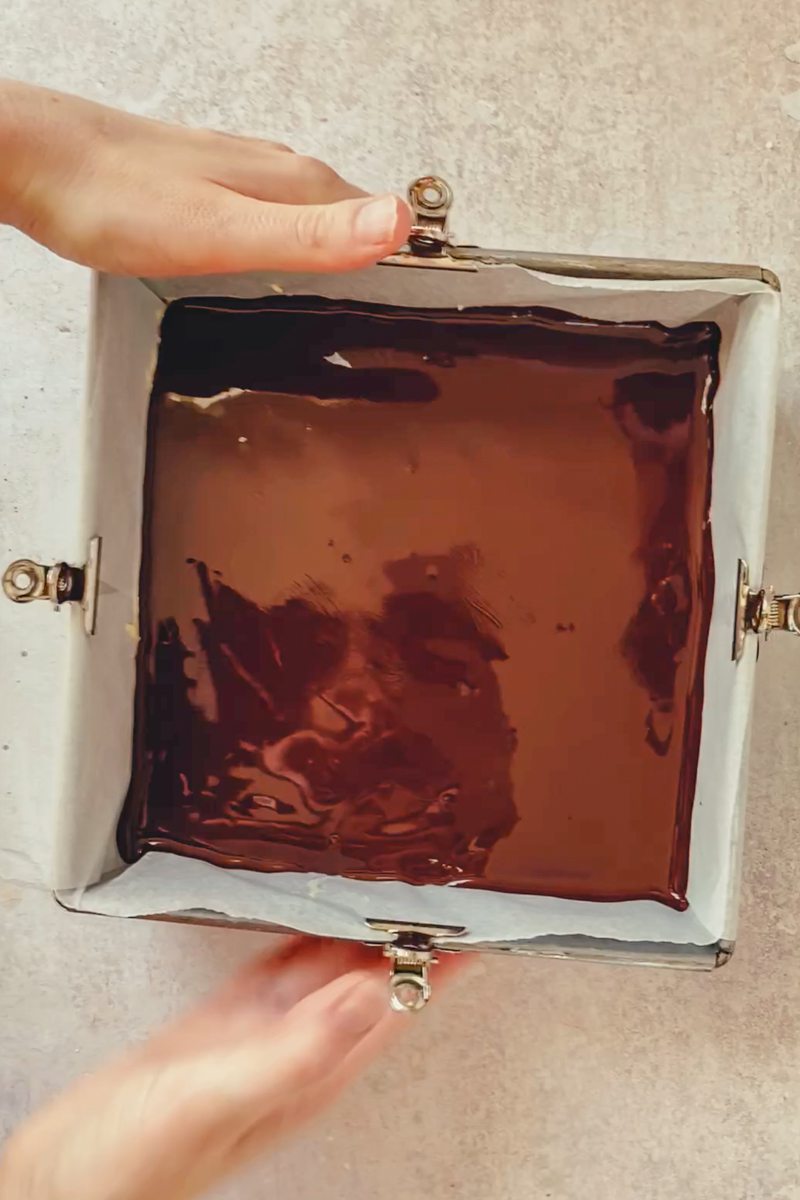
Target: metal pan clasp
[[761, 612], [26, 580], [411, 954], [430, 199]]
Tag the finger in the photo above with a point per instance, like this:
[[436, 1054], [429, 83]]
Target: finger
[[254, 143], [261, 172], [323, 1090], [262, 991], [234, 233], [280, 978], [308, 1045]]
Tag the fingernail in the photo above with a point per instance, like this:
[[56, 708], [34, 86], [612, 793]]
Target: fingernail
[[359, 1003], [376, 220]]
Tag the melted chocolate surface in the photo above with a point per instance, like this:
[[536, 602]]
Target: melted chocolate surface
[[429, 600]]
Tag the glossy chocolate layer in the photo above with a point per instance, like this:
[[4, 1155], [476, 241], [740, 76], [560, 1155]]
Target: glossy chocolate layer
[[429, 600]]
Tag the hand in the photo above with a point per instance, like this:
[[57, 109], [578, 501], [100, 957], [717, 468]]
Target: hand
[[137, 197], [208, 1094]]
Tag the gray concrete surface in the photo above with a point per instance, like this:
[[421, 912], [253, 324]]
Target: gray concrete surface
[[620, 126]]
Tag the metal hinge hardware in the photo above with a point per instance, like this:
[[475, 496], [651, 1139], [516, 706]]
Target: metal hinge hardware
[[26, 580], [761, 612], [430, 199], [411, 954], [429, 242]]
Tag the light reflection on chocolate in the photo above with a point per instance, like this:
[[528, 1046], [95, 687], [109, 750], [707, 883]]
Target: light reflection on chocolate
[[437, 615]]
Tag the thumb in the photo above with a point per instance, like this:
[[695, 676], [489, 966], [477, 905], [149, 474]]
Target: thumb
[[305, 1047], [246, 234]]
